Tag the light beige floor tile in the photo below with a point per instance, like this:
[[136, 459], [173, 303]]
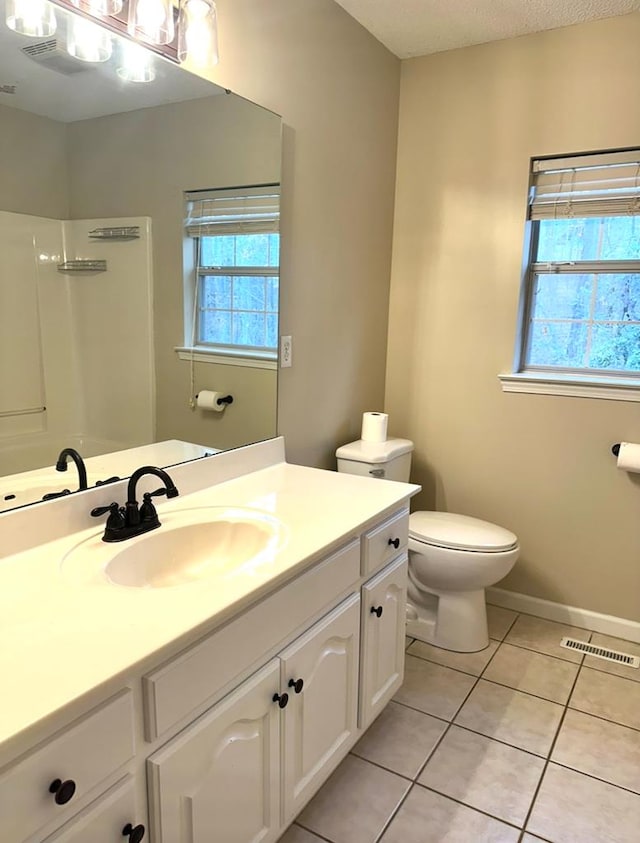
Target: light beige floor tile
[[355, 803], [427, 817], [607, 696], [401, 739], [484, 774], [545, 636], [518, 719], [500, 621], [620, 646], [572, 808], [599, 748], [295, 834], [433, 689], [473, 663], [532, 672], [529, 838], [408, 641]]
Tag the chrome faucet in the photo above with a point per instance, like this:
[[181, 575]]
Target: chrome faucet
[[125, 522]]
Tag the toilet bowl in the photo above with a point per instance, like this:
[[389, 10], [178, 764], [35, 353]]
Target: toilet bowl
[[452, 558]]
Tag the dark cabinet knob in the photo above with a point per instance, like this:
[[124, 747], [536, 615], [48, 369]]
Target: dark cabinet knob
[[63, 790], [134, 833], [376, 610], [395, 543], [297, 685], [281, 699]]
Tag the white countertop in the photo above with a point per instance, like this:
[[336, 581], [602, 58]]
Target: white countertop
[[60, 637]]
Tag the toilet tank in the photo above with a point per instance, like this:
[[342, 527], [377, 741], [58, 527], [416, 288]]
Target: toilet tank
[[390, 460]]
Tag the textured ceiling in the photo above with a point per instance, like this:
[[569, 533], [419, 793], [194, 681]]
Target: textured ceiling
[[418, 27]]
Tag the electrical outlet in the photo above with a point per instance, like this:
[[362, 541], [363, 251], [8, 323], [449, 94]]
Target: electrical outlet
[[286, 352]]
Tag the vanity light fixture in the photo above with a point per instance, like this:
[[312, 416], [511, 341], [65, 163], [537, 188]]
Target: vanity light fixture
[[100, 8], [88, 42], [35, 18], [136, 64], [198, 32], [152, 21]]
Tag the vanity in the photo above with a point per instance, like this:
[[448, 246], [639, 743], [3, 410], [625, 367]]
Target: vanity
[[188, 700]]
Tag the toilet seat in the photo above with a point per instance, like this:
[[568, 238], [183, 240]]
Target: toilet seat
[[459, 532]]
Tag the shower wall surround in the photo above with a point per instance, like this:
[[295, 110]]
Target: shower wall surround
[[56, 387]]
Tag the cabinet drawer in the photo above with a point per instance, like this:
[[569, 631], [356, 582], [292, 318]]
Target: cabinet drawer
[[384, 542], [198, 675], [103, 820], [86, 753]]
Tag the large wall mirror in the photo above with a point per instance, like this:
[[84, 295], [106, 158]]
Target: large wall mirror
[[96, 301]]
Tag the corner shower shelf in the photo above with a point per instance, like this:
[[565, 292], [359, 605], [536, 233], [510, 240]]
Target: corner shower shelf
[[124, 232], [82, 265]]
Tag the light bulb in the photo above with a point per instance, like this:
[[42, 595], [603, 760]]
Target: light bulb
[[99, 7], [152, 20], [88, 42], [136, 64], [198, 32], [31, 17]]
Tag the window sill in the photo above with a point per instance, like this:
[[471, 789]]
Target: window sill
[[249, 360], [573, 386]]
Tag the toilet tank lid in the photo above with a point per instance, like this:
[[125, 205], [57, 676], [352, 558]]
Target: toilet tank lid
[[460, 532], [374, 452]]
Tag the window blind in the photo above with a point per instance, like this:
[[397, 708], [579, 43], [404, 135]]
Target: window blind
[[247, 210], [599, 185]]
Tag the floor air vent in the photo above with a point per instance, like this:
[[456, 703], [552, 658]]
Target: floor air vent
[[600, 652]]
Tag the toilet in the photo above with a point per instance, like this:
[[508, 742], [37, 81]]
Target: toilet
[[452, 558]]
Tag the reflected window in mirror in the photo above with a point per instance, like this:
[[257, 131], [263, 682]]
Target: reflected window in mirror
[[232, 247]]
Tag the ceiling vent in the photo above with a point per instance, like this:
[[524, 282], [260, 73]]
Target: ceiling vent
[[52, 54]]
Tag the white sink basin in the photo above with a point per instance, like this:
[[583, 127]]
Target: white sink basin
[[190, 546]]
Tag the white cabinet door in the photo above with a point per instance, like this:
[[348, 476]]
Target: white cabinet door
[[105, 819], [383, 623], [218, 781], [319, 720]]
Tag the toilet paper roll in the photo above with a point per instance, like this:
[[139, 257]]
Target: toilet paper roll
[[629, 457], [374, 427], [208, 400]]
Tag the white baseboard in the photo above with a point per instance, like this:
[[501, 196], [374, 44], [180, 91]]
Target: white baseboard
[[605, 624]]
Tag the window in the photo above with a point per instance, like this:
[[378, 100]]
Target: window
[[233, 295], [581, 301]]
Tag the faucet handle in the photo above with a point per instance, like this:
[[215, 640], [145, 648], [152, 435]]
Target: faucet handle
[[115, 521]]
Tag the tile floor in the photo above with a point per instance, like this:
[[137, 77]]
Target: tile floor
[[521, 743]]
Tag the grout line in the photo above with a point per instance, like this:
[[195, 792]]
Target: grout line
[[595, 778], [457, 669], [498, 740], [470, 807], [529, 693], [542, 653], [413, 708], [393, 814], [604, 719], [551, 748], [610, 673], [380, 766], [315, 833], [615, 675]]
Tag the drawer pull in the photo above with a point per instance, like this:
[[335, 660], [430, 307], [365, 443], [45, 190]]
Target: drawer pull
[[134, 833], [377, 611], [63, 790], [297, 685], [395, 543], [281, 699]]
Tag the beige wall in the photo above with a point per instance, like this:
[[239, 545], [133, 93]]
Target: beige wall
[[140, 163], [33, 164], [541, 465], [337, 90]]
